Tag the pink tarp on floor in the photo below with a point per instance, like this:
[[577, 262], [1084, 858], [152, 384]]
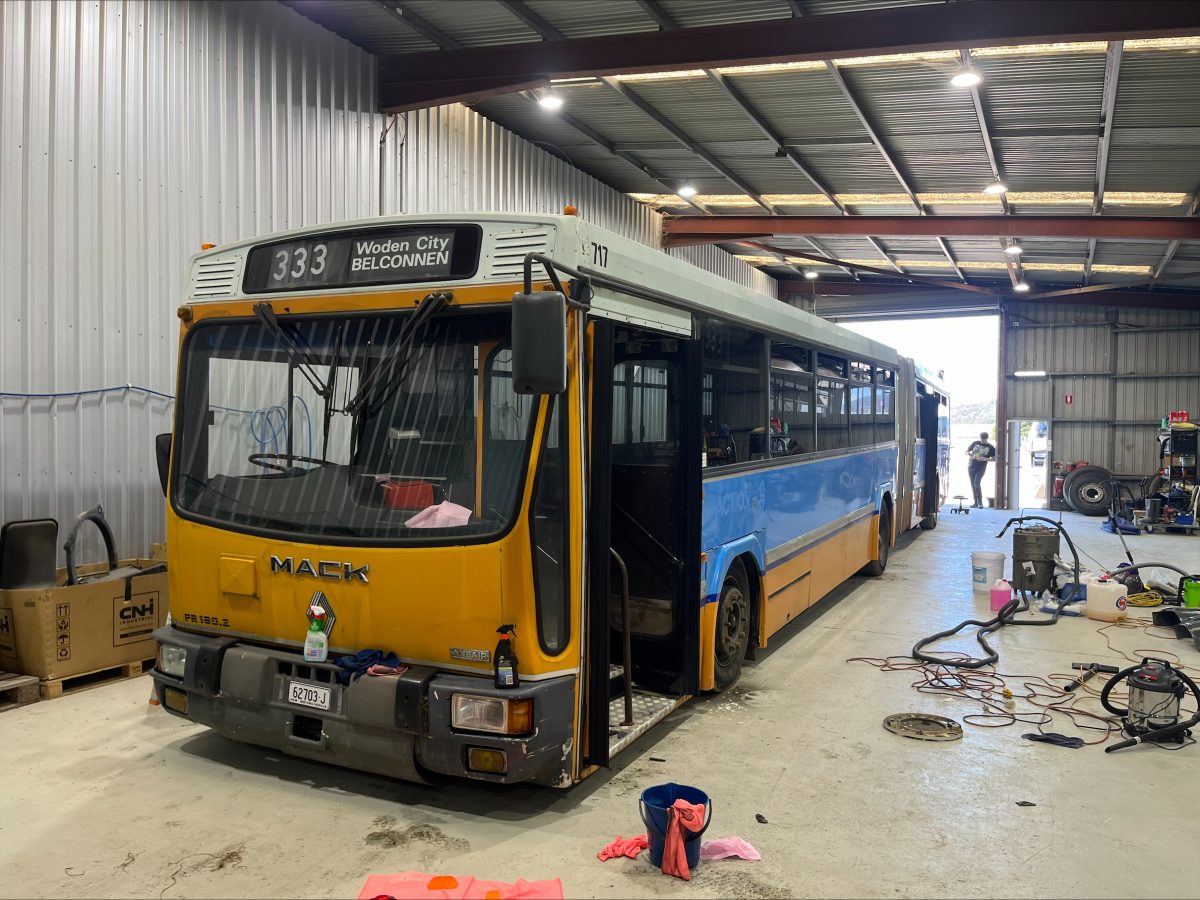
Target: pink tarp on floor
[[404, 885]]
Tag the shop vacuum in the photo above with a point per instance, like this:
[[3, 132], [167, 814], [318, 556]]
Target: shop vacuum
[[1155, 691]]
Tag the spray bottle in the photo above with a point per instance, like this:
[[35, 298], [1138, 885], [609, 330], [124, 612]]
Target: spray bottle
[[316, 644], [506, 660]]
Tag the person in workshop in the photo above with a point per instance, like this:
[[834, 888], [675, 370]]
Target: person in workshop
[[981, 452]]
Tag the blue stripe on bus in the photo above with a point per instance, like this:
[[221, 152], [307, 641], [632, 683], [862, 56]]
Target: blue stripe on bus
[[765, 509]]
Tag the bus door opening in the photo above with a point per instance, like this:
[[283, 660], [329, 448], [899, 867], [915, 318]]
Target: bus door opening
[[652, 511], [929, 429]]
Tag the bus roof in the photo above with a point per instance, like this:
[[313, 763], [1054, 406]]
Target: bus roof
[[572, 241]]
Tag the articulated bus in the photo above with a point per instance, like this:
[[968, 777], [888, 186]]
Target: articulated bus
[[568, 481]]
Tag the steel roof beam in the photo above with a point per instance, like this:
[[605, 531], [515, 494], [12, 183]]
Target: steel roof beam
[[665, 22], [1173, 247], [857, 295], [1144, 228], [882, 147], [624, 155], [875, 270], [417, 80], [1112, 73], [425, 29], [532, 20], [679, 135]]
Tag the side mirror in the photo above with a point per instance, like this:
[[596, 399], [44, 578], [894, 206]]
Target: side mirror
[[539, 342], [162, 453]]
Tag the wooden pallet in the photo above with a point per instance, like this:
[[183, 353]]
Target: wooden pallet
[[56, 687], [17, 690]]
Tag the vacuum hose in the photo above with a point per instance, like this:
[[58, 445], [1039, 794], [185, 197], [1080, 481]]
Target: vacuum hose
[[1158, 733], [1003, 617]]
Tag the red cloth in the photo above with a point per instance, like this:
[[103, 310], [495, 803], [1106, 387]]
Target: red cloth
[[680, 817], [624, 846]]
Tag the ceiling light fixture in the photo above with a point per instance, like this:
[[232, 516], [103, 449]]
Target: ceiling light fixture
[[550, 100], [996, 187], [810, 274], [966, 78], [686, 191], [1029, 374], [1021, 287], [1014, 249]]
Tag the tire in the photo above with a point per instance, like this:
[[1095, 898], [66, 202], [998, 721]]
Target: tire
[[732, 630], [929, 522], [878, 566], [1155, 484], [1088, 490]]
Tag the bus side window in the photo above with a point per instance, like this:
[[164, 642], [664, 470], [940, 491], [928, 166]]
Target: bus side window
[[548, 537], [735, 393], [832, 420], [862, 429], [885, 405], [791, 400]]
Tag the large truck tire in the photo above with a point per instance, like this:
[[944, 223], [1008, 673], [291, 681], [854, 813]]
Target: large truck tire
[[1088, 490]]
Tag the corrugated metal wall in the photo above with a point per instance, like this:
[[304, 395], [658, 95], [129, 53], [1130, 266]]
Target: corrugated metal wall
[[1124, 369], [130, 132]]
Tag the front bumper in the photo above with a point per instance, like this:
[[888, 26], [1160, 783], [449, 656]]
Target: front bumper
[[397, 726]]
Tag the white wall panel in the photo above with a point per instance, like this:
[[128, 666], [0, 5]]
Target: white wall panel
[[129, 133], [132, 131]]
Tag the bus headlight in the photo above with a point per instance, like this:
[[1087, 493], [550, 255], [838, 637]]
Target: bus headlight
[[494, 714], [172, 660]]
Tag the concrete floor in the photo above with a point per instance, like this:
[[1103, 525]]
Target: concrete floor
[[102, 795]]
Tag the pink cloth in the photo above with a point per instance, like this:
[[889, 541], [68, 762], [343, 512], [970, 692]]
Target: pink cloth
[[440, 515], [624, 846], [723, 848], [403, 885], [681, 817]]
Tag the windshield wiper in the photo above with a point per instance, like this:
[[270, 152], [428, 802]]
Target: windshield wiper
[[299, 355], [391, 372]]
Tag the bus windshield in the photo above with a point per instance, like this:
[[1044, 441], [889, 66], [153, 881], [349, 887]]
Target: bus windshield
[[352, 428]]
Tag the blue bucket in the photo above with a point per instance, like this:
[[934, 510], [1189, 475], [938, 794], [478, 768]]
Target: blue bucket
[[654, 804]]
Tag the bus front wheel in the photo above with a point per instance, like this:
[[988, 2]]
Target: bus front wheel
[[878, 565], [733, 629]]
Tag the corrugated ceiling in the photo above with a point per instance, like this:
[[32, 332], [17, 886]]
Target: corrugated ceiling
[[1042, 106]]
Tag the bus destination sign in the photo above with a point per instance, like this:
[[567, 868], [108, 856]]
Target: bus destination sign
[[376, 256]]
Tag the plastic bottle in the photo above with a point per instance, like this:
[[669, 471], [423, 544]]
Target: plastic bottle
[[1106, 601], [1000, 595], [316, 644], [506, 660]]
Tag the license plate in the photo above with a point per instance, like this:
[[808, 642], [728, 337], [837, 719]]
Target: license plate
[[308, 695]]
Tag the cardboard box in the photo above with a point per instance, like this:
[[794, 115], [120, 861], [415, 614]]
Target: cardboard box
[[64, 631]]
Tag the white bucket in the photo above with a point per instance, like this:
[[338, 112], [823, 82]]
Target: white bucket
[[987, 567]]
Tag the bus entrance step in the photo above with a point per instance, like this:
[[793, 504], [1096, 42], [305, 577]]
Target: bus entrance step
[[648, 709]]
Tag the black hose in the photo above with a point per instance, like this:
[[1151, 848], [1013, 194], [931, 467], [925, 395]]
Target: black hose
[[1003, 617], [1158, 733]]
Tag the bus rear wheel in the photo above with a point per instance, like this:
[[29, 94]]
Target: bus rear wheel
[[929, 522], [878, 565], [733, 629]]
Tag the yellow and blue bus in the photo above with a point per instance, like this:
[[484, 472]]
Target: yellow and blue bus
[[555, 481]]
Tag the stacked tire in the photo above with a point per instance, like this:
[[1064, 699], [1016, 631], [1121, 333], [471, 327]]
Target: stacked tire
[[1088, 490]]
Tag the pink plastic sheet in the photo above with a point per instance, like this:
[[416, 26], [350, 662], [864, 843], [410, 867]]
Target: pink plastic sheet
[[404, 885]]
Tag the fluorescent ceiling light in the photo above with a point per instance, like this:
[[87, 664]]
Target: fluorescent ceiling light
[[550, 100], [686, 191], [1021, 287], [996, 187], [1029, 374], [966, 78], [810, 274], [1014, 249]]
